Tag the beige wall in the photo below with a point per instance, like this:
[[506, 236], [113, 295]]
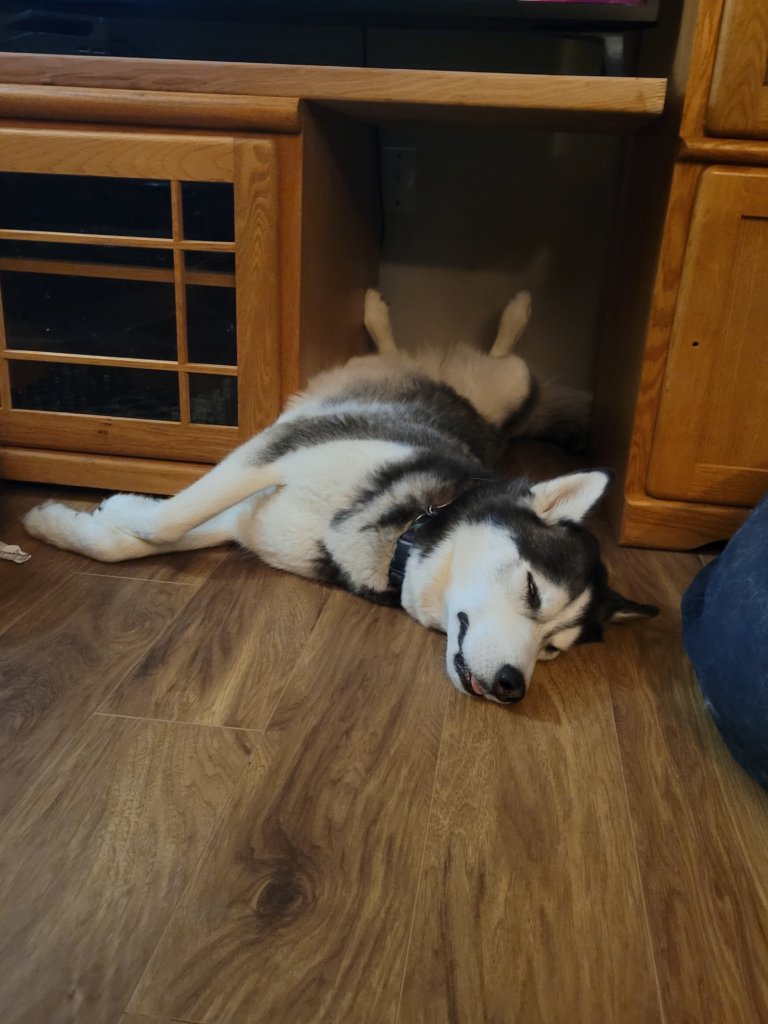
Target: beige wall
[[497, 211]]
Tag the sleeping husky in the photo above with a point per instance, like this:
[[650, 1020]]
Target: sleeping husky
[[377, 478]]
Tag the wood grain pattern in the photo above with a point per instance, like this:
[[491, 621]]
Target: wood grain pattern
[[142, 107], [63, 657], [191, 568], [146, 476], [301, 911], [95, 858], [256, 273], [339, 242], [659, 578], [706, 450], [116, 435], [699, 78], [235, 674], [143, 364], [723, 151], [700, 824], [570, 101], [23, 586], [111, 154], [381, 860], [676, 525], [679, 213], [738, 99], [530, 906]]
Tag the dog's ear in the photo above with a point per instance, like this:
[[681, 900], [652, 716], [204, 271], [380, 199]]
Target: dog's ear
[[569, 498], [619, 609]]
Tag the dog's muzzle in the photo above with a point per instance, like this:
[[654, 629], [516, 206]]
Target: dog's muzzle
[[508, 686]]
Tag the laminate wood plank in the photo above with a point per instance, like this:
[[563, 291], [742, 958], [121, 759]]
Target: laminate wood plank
[[62, 658], [530, 906], [191, 568], [570, 101], [141, 1018], [95, 858], [301, 910], [701, 828], [228, 656], [650, 577], [23, 585]]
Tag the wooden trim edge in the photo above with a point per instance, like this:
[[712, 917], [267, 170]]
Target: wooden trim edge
[[107, 472]]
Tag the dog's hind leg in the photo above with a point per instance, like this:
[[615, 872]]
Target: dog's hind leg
[[377, 322], [514, 320], [94, 535], [167, 521]]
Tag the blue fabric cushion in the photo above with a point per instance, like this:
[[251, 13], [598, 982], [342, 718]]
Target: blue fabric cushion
[[725, 631]]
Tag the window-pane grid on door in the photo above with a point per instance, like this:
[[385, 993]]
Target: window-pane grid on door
[[118, 298]]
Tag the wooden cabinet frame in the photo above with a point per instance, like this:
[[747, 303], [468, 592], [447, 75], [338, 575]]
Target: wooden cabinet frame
[[738, 98], [631, 378], [304, 246]]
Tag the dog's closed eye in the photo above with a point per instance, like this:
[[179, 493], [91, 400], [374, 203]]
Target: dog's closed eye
[[532, 595]]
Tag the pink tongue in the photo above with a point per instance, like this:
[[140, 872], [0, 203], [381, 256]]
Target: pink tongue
[[476, 686]]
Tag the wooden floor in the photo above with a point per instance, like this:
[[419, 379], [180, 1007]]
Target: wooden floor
[[230, 796]]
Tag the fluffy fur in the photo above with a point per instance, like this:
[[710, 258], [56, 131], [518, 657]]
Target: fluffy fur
[[504, 568]]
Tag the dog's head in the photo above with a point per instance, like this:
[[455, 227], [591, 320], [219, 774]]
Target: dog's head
[[519, 580]]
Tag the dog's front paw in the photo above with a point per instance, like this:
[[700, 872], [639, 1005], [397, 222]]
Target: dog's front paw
[[133, 514]]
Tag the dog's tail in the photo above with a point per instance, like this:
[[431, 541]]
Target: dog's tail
[[553, 412]]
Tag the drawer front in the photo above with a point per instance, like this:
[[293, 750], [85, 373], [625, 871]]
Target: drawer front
[[711, 436], [738, 99]]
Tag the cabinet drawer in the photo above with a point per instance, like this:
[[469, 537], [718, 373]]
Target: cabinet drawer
[[711, 436], [738, 99]]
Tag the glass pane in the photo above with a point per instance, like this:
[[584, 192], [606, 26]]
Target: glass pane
[[211, 325], [108, 254], [221, 262], [89, 315], [209, 211], [67, 202], [95, 390], [213, 399]]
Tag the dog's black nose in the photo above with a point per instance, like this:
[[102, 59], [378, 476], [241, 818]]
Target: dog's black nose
[[509, 684]]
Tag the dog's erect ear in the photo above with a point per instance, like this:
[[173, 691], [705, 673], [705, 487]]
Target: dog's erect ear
[[620, 609], [569, 498]]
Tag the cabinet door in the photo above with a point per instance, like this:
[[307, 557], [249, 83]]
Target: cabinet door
[[137, 291], [738, 99], [711, 436]]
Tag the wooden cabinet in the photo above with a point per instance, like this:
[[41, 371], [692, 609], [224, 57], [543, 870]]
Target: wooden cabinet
[[738, 98], [682, 396], [711, 433], [163, 291]]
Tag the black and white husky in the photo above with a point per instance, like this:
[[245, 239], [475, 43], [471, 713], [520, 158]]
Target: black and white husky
[[377, 478]]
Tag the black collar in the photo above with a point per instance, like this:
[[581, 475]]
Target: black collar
[[404, 546]]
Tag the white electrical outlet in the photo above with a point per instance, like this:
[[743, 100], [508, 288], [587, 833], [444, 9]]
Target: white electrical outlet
[[398, 178]]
